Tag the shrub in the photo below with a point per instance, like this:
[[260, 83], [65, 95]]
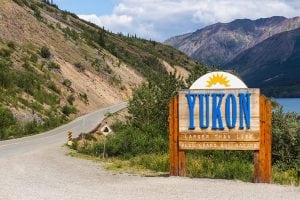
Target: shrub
[[37, 12], [79, 67], [31, 128], [28, 81], [67, 83], [108, 69], [11, 45], [6, 120], [285, 138], [43, 96], [101, 38], [115, 80], [45, 52], [70, 99], [33, 58], [5, 75], [53, 66], [133, 141], [58, 25], [149, 104], [197, 72], [84, 98], [5, 53], [27, 66], [54, 121], [71, 33], [51, 85], [21, 2], [68, 110]]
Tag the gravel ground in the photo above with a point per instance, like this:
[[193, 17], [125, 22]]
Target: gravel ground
[[49, 173]]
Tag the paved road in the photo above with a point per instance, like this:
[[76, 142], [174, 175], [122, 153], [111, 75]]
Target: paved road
[[82, 124], [37, 167]]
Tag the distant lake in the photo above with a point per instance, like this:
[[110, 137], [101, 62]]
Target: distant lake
[[290, 104]]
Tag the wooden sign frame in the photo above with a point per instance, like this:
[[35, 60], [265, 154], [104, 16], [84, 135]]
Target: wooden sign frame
[[262, 157]]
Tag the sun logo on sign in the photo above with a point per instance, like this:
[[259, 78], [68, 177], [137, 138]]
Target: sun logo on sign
[[215, 79]]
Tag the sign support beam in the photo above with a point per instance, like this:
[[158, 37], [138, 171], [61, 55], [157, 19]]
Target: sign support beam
[[263, 157], [177, 157]]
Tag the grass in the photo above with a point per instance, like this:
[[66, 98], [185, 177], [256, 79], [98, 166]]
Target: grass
[[119, 165], [198, 166], [210, 167], [288, 177]]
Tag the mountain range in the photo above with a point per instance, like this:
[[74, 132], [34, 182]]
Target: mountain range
[[264, 51], [273, 65]]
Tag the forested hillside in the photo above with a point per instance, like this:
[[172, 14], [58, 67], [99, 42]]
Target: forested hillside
[[55, 66]]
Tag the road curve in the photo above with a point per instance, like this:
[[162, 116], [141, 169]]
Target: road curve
[[82, 124], [37, 167]]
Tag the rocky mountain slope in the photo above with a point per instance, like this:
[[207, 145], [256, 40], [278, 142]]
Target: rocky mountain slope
[[219, 43], [273, 65], [264, 52], [55, 66]]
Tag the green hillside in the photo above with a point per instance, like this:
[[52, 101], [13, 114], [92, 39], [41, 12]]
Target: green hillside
[[55, 66]]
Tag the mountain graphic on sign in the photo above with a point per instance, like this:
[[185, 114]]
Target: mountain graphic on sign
[[215, 79]]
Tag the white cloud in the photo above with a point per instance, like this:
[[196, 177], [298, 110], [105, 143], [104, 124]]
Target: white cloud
[[114, 22], [160, 19]]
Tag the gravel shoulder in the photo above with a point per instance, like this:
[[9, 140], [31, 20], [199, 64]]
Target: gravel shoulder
[[49, 173]]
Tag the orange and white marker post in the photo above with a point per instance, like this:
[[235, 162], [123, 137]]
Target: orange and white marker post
[[69, 138]]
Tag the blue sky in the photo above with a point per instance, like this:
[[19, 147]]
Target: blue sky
[[161, 19], [98, 7]]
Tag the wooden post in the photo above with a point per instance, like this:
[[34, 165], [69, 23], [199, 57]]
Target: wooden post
[[175, 137], [171, 133], [268, 143], [177, 157], [262, 157], [182, 166]]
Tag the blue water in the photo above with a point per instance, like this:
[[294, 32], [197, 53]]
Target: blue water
[[290, 104]]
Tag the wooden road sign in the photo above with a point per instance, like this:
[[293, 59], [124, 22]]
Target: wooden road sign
[[221, 119], [228, 130]]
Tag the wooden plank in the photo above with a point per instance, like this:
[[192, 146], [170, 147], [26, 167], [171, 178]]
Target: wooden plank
[[262, 149], [182, 165], [259, 162], [175, 137], [256, 166], [220, 136], [171, 135], [184, 110], [268, 141], [187, 145]]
